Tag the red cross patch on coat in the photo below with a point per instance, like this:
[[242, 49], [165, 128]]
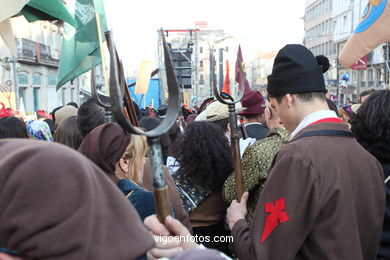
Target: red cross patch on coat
[[276, 213]]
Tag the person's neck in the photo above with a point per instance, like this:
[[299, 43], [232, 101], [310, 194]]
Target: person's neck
[[307, 108], [253, 120]]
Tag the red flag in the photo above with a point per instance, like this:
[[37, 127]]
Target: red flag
[[226, 83], [238, 73]]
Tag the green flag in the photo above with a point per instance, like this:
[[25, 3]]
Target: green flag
[[49, 10], [80, 49]]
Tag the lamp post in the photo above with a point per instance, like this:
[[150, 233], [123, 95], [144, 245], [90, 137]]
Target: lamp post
[[211, 47]]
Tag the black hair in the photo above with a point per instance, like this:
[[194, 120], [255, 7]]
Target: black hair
[[68, 133], [149, 123], [222, 124], [73, 104], [205, 155], [51, 125], [89, 116], [371, 125], [12, 127], [332, 106], [253, 117], [53, 113], [304, 97], [143, 113], [365, 93]]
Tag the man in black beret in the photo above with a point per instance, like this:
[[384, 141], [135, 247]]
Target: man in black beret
[[324, 197]]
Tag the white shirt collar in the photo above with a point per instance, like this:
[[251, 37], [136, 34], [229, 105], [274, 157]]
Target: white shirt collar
[[254, 123], [311, 118]]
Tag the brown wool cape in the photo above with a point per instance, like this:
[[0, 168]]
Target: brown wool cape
[[56, 204], [104, 146], [324, 199]]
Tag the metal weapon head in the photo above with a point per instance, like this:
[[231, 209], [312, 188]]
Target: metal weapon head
[[94, 87], [116, 98], [215, 89]]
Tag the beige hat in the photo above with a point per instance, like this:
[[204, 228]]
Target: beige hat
[[216, 111], [355, 108], [64, 113]]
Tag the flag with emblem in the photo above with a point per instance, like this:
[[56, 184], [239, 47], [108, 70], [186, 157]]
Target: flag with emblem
[[80, 48], [239, 75]]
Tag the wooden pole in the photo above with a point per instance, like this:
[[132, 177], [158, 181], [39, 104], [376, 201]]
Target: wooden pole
[[104, 67]]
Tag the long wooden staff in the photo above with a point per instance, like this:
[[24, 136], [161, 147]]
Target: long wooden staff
[[155, 153], [233, 127]]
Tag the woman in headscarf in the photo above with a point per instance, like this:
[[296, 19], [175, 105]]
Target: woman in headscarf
[[130, 170], [39, 130], [106, 145], [63, 207]]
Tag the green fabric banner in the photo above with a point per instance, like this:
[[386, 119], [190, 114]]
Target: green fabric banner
[[80, 48], [47, 10]]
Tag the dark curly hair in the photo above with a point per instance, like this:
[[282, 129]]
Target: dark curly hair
[[371, 125], [205, 155]]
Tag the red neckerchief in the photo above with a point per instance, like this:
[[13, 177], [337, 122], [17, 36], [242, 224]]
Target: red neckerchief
[[328, 120]]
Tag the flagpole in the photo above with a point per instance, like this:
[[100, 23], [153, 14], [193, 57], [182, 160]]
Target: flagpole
[[100, 33]]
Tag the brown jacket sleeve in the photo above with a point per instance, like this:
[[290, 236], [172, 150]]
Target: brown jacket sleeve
[[284, 215], [174, 196]]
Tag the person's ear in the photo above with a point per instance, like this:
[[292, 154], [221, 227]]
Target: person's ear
[[289, 99], [268, 114], [124, 164]]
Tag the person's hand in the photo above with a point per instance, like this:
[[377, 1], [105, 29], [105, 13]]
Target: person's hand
[[170, 238], [237, 211]]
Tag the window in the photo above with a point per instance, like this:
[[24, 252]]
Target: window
[[63, 96], [201, 50], [52, 81], [370, 76], [22, 94], [37, 79], [23, 79], [201, 64], [36, 98], [72, 92], [201, 79]]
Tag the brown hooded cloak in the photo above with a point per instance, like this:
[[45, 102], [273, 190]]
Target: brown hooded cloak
[[104, 146], [56, 204]]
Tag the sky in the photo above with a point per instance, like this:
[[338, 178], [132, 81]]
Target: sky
[[258, 25]]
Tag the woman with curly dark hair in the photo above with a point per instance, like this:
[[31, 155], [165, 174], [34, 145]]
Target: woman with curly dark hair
[[371, 127], [205, 159]]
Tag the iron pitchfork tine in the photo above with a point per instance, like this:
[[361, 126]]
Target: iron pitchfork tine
[[94, 86], [233, 125], [155, 153]]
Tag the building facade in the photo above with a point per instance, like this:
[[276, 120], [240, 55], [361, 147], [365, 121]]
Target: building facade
[[29, 80], [319, 35], [328, 25], [204, 43]]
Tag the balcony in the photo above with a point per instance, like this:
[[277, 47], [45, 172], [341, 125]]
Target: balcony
[[36, 53]]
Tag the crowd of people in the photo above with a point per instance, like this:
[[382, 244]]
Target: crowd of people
[[315, 177]]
